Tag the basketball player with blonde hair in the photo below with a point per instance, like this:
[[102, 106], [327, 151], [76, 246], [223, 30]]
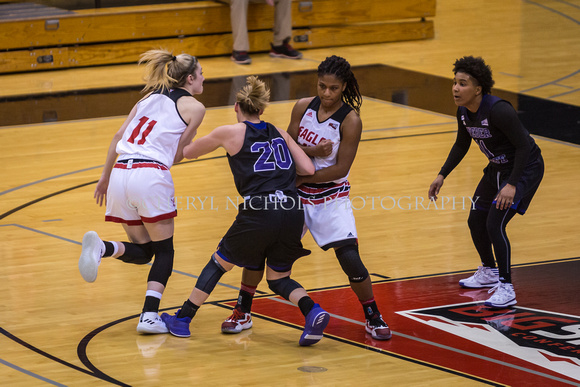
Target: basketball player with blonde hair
[[266, 234], [328, 128], [136, 181]]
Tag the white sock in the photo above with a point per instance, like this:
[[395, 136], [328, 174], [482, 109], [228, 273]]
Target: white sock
[[153, 293], [115, 249]]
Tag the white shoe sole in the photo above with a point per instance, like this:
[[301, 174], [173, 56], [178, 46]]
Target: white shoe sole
[[90, 256], [151, 329], [150, 323], [476, 286], [500, 306], [239, 328]]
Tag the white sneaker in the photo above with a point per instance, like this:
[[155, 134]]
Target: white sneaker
[[504, 296], [151, 323], [93, 250], [484, 277]]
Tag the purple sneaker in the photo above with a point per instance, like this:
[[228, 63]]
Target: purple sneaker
[[177, 326], [316, 321]]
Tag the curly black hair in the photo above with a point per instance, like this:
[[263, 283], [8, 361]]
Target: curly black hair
[[340, 68], [477, 69]]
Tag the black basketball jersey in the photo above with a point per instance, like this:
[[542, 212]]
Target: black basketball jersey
[[493, 141], [264, 164]]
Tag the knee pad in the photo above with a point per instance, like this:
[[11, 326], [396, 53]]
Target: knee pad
[[349, 259], [138, 254], [210, 276], [163, 263], [283, 286]]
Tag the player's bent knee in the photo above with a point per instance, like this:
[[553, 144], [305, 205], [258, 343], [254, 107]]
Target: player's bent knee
[[351, 263], [137, 254], [283, 286], [210, 276]]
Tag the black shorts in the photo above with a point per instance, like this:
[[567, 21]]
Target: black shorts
[[493, 181], [265, 232]]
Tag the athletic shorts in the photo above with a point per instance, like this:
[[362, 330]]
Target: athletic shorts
[[265, 233], [328, 214], [493, 181], [140, 191]]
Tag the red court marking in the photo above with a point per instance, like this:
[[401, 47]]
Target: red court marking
[[551, 288]]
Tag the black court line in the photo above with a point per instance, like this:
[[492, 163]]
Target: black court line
[[23, 343], [45, 197]]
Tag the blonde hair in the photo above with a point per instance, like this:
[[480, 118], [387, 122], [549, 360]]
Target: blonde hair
[[163, 70], [254, 97]]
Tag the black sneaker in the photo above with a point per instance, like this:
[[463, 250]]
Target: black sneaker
[[241, 57], [285, 51]]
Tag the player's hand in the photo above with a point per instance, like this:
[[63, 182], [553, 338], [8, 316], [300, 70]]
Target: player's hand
[[101, 191], [505, 197], [323, 148], [435, 187]]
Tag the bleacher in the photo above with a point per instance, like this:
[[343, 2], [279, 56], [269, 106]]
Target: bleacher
[[37, 37]]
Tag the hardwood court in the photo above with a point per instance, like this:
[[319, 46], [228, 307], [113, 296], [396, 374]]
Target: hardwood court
[[58, 330]]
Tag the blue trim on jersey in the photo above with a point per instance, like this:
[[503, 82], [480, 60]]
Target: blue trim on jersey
[[513, 206], [223, 256], [260, 126]]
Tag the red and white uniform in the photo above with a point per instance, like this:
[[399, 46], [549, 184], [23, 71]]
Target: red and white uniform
[[141, 187], [327, 208]]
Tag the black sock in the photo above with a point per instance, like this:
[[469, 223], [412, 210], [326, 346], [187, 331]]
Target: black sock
[[305, 304], [189, 309], [151, 304], [245, 301], [109, 249], [371, 309]]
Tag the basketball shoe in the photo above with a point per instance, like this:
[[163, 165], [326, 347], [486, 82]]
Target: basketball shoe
[[484, 277], [316, 321], [237, 322], [241, 57], [285, 51], [151, 323], [503, 296], [378, 329], [177, 326], [91, 254]]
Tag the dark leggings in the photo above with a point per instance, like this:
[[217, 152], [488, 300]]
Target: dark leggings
[[488, 228]]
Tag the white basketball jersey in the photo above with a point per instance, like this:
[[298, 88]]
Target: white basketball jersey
[[311, 132], [155, 130]]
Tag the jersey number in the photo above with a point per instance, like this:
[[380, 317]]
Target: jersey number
[[138, 128], [484, 149], [278, 148]]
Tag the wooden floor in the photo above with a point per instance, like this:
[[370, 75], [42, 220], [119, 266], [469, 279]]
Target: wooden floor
[[58, 330]]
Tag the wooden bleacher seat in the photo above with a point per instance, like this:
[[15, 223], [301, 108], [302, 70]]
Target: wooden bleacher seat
[[101, 36]]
